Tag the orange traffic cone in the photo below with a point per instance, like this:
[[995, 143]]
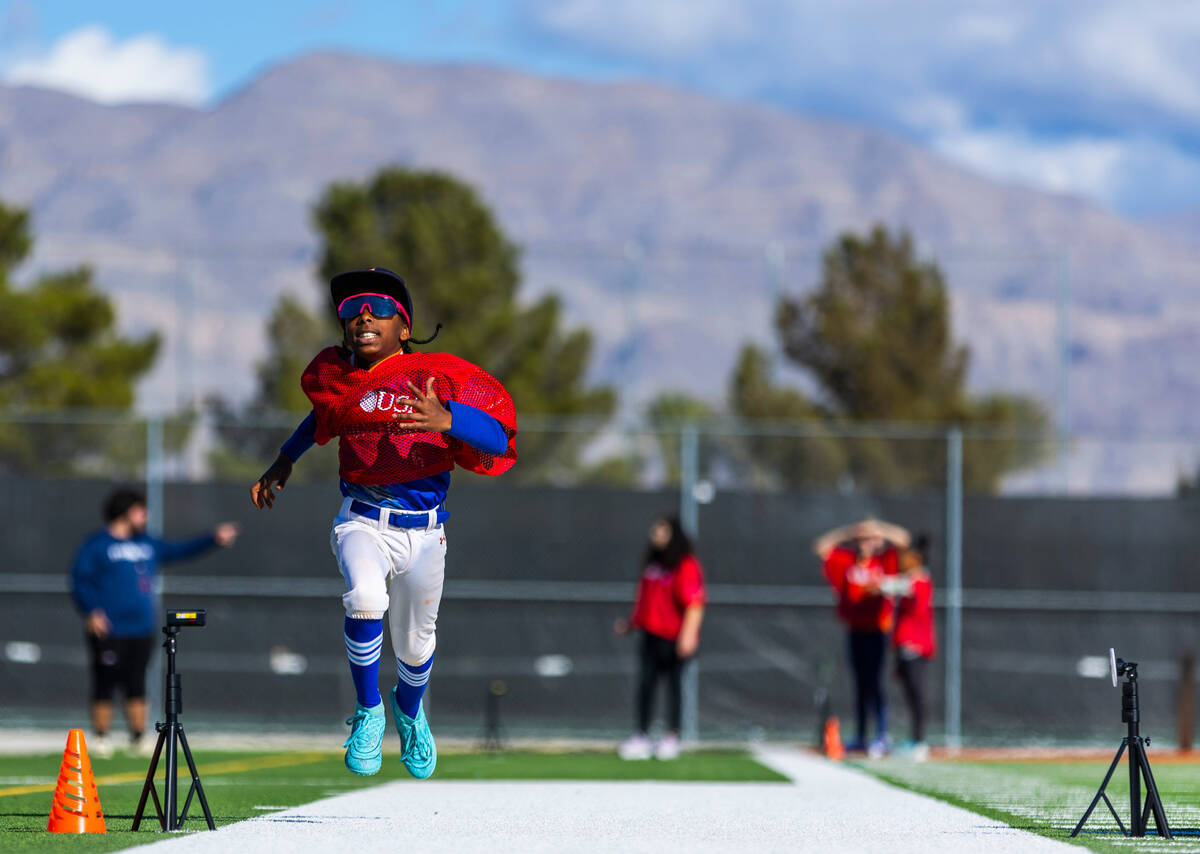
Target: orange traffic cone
[[833, 739], [76, 805]]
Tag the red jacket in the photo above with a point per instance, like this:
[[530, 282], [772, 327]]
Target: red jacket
[[664, 594], [914, 618], [860, 608]]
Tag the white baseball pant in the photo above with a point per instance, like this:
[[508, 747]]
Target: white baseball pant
[[397, 571]]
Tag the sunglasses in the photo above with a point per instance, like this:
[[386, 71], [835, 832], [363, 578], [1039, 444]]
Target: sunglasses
[[379, 305]]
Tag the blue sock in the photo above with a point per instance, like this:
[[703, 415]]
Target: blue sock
[[364, 638], [410, 685]]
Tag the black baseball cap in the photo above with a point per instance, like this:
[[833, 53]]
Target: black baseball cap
[[372, 280]]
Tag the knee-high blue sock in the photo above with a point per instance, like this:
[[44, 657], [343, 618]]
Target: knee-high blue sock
[[410, 685], [364, 638]]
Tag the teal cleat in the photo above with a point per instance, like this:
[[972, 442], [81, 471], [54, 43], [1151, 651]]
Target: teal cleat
[[364, 747], [417, 750]]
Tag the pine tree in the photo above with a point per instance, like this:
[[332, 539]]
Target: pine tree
[[59, 349]]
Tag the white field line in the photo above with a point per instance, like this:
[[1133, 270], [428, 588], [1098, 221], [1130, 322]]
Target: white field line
[[828, 808]]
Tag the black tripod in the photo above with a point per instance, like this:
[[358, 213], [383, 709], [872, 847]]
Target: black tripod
[[1139, 766], [168, 734]]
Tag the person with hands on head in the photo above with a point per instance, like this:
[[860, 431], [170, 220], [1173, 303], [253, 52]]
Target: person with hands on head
[[114, 586], [856, 559], [403, 421], [668, 610]]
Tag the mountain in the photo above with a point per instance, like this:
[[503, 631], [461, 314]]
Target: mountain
[[668, 221]]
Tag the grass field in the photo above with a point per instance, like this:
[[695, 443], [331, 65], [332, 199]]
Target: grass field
[[1049, 797], [243, 785], [1045, 797]]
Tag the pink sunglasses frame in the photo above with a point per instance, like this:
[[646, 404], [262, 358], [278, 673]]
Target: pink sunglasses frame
[[396, 302]]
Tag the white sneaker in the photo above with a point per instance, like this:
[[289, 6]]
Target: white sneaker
[[920, 752], [668, 747], [637, 746], [143, 746], [101, 747]]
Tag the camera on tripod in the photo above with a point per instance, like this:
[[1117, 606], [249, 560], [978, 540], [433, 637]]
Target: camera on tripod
[[1139, 763], [1120, 667], [171, 738], [186, 618]]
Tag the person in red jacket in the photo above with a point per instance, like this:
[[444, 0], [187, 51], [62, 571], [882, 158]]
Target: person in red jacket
[[668, 611], [856, 559], [913, 638]]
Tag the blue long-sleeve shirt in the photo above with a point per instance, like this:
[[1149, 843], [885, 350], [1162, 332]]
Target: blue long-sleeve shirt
[[468, 424], [121, 577]]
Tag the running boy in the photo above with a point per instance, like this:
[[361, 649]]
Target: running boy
[[403, 421]]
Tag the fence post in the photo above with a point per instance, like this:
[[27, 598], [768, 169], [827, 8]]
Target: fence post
[[154, 475], [689, 466], [954, 597], [689, 518], [1187, 699], [1062, 334], [155, 470]]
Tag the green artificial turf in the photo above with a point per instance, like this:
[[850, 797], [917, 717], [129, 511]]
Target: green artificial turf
[[1049, 797], [243, 785]]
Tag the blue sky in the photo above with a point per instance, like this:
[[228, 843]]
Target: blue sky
[[1099, 98]]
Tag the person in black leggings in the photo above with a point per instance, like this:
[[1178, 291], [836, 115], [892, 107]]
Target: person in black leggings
[[659, 660], [914, 638], [668, 611]]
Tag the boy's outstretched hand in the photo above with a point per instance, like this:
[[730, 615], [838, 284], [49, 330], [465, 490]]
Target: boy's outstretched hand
[[272, 480], [426, 413]]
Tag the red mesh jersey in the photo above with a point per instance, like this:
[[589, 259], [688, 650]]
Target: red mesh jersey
[[358, 407]]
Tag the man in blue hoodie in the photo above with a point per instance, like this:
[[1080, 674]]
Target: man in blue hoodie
[[114, 584]]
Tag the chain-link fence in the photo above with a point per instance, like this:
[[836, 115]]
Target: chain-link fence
[[1032, 588]]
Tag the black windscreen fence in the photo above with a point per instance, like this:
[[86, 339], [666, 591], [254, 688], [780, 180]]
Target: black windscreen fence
[[537, 575]]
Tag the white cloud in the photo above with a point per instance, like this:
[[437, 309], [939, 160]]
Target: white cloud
[[665, 29], [1099, 98], [1082, 166], [91, 63], [1146, 51], [989, 29]]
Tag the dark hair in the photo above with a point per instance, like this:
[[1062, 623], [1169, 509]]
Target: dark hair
[[677, 548], [120, 500], [406, 346], [921, 544]]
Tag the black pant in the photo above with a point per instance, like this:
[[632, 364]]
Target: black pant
[[658, 658], [119, 663], [866, 657], [911, 671]]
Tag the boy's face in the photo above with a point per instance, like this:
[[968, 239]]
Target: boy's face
[[372, 339], [137, 517]]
